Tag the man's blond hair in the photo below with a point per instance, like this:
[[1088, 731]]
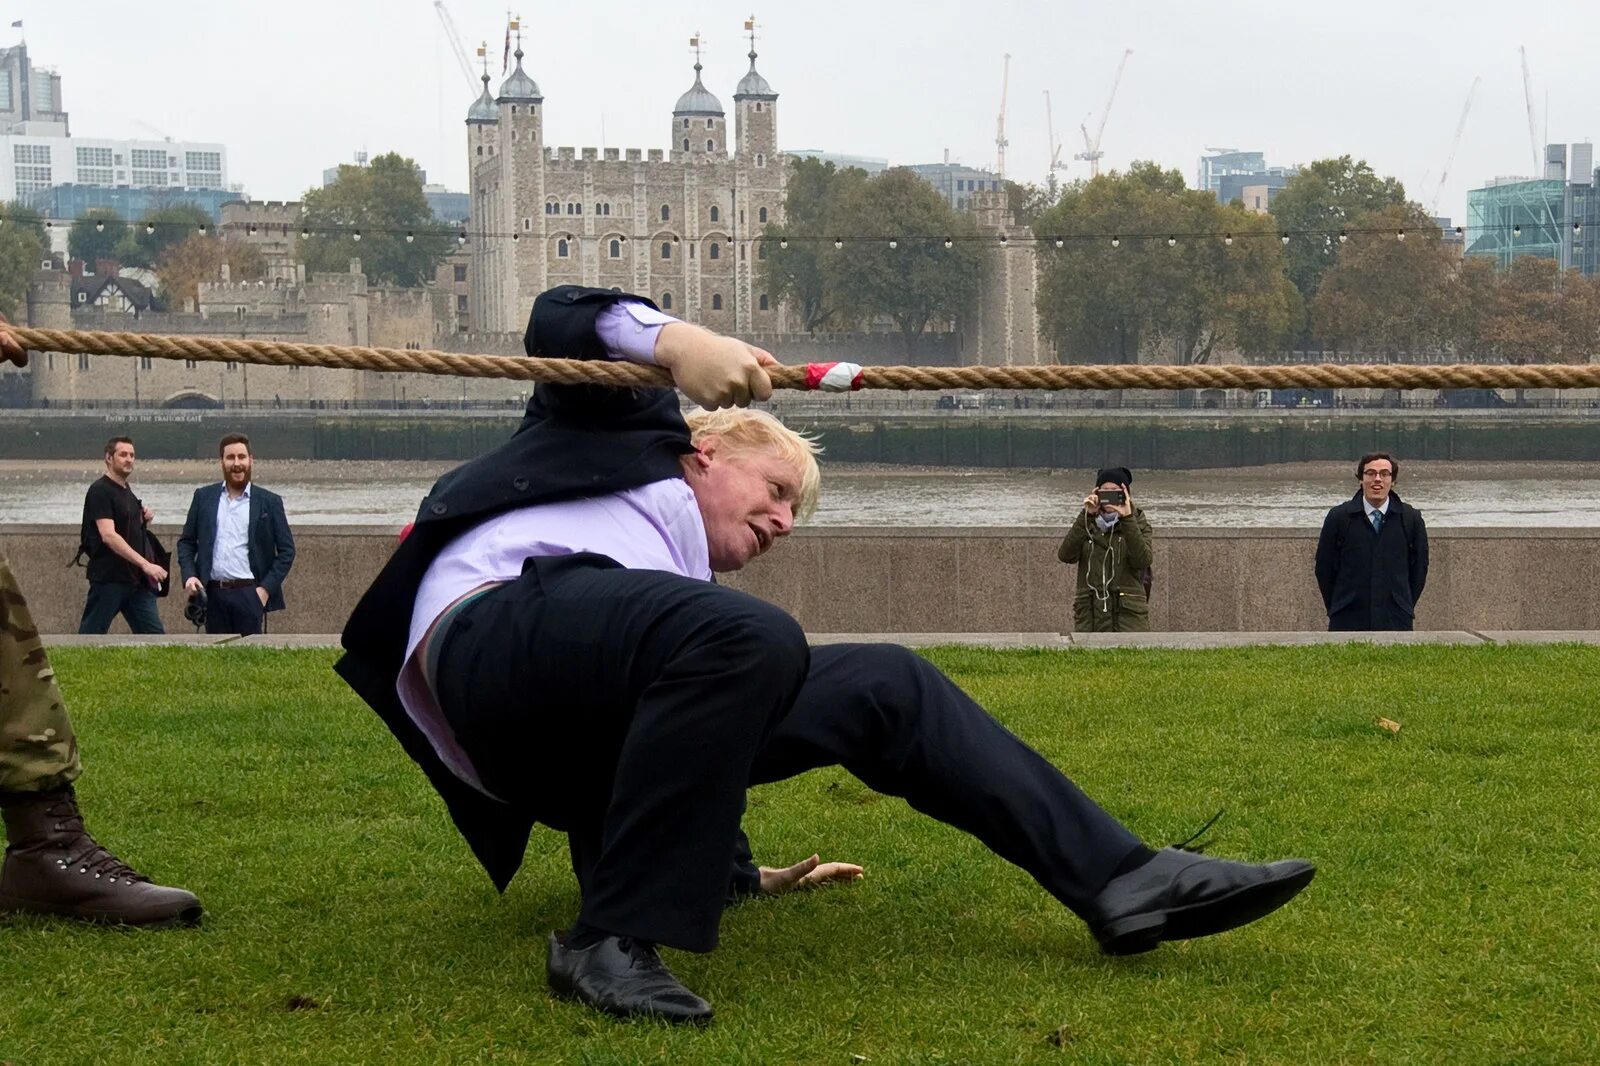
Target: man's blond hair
[[743, 430]]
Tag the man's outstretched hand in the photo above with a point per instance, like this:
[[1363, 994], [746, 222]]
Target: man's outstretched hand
[[805, 874], [10, 349], [712, 370]]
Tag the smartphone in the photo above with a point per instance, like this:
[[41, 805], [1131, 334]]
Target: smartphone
[[1112, 497]]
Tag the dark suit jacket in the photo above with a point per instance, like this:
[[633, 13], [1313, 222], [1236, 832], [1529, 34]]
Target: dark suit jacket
[[1372, 580], [574, 441], [270, 547]]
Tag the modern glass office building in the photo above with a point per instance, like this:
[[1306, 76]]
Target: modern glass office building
[[1553, 217]]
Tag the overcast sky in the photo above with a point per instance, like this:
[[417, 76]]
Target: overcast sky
[[294, 86]]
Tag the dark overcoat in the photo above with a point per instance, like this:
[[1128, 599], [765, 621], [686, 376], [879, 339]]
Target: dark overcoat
[[1372, 580]]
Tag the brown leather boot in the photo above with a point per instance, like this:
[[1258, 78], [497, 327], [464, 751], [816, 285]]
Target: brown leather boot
[[53, 866]]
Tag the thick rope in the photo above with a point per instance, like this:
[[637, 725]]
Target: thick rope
[[577, 372]]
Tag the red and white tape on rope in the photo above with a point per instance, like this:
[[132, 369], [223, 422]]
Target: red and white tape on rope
[[833, 377]]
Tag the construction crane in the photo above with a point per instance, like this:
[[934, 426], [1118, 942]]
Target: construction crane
[[1091, 146], [1455, 143], [1000, 141], [454, 38], [1533, 127], [1055, 149]]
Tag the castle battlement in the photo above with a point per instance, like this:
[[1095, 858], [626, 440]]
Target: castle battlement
[[284, 206], [415, 297], [224, 287], [263, 212]]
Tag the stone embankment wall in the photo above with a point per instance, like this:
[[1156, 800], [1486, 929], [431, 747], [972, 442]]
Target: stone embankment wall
[[952, 580]]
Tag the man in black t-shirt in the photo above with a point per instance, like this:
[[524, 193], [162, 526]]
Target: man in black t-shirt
[[122, 580]]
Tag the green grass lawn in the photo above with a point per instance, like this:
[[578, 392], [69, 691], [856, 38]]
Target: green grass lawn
[[1455, 917]]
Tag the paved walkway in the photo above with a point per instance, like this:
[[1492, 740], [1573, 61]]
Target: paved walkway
[[980, 640]]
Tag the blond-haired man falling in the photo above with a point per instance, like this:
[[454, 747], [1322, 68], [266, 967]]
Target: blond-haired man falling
[[549, 645]]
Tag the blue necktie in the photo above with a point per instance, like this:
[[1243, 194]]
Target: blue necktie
[[1377, 521]]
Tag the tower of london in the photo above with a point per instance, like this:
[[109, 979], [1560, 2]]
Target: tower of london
[[680, 225]]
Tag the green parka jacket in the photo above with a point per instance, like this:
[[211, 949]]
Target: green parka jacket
[[1110, 597]]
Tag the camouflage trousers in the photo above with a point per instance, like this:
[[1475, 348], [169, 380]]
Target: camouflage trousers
[[37, 748]]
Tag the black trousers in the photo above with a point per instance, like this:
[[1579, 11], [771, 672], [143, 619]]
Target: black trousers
[[631, 709], [233, 610]]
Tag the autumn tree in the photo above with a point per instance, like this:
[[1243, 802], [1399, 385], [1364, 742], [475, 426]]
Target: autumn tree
[[907, 254], [1525, 326], [1580, 318], [96, 236], [1026, 201], [184, 266], [798, 248], [1387, 295], [22, 248], [1117, 284], [1325, 197], [144, 242], [367, 214]]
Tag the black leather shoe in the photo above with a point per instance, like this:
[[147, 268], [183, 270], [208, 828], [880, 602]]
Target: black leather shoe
[[624, 977], [1179, 895]]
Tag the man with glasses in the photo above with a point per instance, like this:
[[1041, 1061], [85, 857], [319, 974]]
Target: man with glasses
[[1372, 556]]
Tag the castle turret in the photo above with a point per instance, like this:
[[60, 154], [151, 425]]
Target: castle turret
[[483, 146], [699, 129], [518, 265], [755, 110]]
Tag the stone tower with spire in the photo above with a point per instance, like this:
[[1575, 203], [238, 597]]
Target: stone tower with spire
[[681, 225], [755, 111], [699, 127]]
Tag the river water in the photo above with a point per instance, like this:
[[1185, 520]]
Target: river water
[[1459, 494]]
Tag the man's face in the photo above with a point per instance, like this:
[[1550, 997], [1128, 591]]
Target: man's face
[[747, 501], [236, 466], [120, 461], [1377, 478]]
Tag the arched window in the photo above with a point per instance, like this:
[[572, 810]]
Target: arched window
[[561, 248], [616, 249], [666, 249], [716, 215], [711, 123], [597, 209], [513, 109], [711, 146], [758, 105], [608, 210], [761, 215], [716, 250], [666, 213], [686, 144], [666, 301], [716, 301], [480, 149], [761, 250], [762, 304], [685, 123], [761, 160]]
